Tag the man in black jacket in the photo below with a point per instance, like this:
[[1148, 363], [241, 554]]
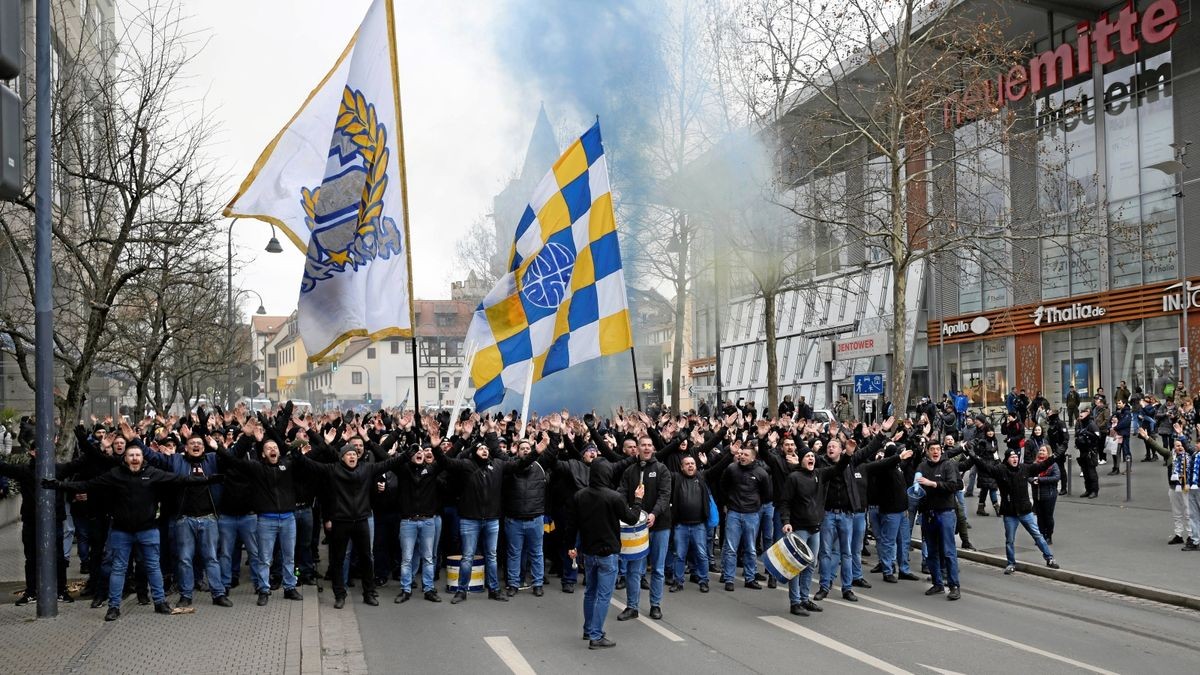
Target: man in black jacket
[[479, 506], [420, 504], [524, 515], [648, 471], [802, 511], [273, 497], [133, 490], [690, 498], [746, 487], [347, 506], [940, 480], [888, 485], [594, 515], [1090, 444], [1013, 478]]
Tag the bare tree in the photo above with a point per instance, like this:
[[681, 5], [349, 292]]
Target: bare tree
[[476, 251], [864, 104], [132, 188]]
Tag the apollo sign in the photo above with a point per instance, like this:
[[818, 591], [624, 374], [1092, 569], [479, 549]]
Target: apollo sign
[[1078, 311], [978, 326]]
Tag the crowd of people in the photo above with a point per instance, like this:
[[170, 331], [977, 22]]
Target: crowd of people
[[172, 505]]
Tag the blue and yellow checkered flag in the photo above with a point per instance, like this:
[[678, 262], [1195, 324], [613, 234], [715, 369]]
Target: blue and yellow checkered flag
[[563, 299]]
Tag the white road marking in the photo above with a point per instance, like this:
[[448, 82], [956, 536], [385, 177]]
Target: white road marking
[[905, 617], [508, 653], [652, 624], [1005, 641], [941, 671], [834, 644]]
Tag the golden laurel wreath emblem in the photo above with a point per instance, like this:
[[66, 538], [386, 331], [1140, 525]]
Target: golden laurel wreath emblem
[[351, 242]]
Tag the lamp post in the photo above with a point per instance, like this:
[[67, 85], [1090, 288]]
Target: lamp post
[[1175, 168], [253, 352], [272, 247]]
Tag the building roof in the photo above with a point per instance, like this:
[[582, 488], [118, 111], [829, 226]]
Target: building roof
[[442, 318], [267, 325]]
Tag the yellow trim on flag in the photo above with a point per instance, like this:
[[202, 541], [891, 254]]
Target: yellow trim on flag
[[270, 149], [394, 331]]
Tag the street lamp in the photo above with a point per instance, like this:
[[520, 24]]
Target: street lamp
[[253, 352], [229, 297], [1174, 168]]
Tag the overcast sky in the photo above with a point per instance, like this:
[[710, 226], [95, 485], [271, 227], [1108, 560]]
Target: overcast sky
[[465, 123]]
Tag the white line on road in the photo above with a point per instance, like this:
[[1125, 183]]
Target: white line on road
[[997, 638], [834, 644], [941, 671], [894, 615], [508, 653], [657, 628]]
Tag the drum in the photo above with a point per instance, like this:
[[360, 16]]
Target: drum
[[635, 539], [477, 570], [788, 557]]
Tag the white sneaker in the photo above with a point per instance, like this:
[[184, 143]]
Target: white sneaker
[[1103, 462]]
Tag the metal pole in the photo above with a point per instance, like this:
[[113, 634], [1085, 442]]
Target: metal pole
[[1184, 368], [48, 547], [1067, 464], [637, 386], [229, 311], [1129, 478], [416, 390]]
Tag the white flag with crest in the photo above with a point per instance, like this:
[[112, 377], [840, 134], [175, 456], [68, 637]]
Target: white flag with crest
[[333, 180]]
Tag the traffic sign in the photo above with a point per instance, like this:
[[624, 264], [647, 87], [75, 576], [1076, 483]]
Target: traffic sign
[[869, 384]]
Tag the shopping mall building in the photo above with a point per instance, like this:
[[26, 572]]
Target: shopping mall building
[[1113, 90]]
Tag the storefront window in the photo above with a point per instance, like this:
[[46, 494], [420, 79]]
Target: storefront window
[[1070, 358], [982, 206], [1139, 131], [979, 369], [1144, 354]]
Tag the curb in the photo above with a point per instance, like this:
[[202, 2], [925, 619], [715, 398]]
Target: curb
[[1087, 580]]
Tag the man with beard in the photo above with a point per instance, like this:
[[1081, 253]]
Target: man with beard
[[133, 493], [802, 510], [656, 478]]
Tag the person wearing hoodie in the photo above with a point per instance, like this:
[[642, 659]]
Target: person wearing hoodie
[[1013, 479], [482, 475], [888, 485], [802, 511], [690, 498], [347, 505], [594, 517]]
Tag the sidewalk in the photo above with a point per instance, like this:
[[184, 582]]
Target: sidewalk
[[1107, 536], [242, 639]]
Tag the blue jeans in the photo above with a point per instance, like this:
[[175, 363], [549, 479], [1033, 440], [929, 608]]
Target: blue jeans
[[859, 521], [937, 529], [799, 585], [524, 537], [656, 559], [242, 529], [192, 536], [471, 531], [303, 549], [767, 527], [120, 545], [411, 531], [691, 539], [1010, 534], [912, 522], [740, 529], [837, 537], [283, 530], [891, 529], [600, 573]]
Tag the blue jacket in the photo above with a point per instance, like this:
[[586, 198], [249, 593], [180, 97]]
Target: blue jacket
[[179, 465]]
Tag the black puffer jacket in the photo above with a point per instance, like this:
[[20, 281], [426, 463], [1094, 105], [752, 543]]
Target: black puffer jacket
[[482, 480], [347, 491], [1013, 482], [525, 489]]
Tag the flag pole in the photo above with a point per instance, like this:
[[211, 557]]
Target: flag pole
[[637, 389], [525, 403], [416, 390], [462, 386]]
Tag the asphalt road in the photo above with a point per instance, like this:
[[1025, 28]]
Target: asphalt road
[[1001, 625]]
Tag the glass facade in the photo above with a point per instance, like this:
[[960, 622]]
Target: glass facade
[[1145, 354], [1070, 357]]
